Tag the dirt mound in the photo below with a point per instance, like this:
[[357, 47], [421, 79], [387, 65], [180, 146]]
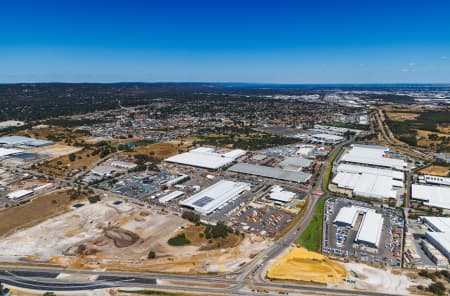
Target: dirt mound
[[122, 238]]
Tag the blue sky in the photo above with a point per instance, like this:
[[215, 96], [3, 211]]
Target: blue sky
[[225, 41]]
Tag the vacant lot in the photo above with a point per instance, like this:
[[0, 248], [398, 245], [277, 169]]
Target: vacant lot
[[159, 150], [34, 212], [435, 170], [401, 116], [62, 166]]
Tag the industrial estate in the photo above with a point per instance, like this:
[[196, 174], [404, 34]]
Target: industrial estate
[[224, 190]]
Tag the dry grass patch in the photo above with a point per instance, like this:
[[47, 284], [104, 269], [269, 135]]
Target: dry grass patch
[[34, 212], [435, 170], [159, 150]]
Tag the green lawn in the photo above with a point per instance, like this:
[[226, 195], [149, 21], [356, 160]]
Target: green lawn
[[327, 172], [311, 238]]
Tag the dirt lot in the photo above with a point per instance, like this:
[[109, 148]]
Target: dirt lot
[[302, 265], [435, 170], [34, 212], [56, 150], [104, 235], [401, 116]]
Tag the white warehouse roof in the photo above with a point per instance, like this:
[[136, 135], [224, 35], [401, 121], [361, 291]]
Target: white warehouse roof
[[211, 198], [206, 158], [168, 197], [6, 152], [370, 230], [438, 224], [372, 155], [279, 194], [369, 182], [435, 196], [19, 193], [347, 216]]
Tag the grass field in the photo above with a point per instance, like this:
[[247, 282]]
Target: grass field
[[33, 212], [327, 172], [311, 238]]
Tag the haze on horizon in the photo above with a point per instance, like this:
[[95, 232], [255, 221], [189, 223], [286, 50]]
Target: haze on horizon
[[255, 41]]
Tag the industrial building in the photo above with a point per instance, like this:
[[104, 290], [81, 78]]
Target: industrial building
[[123, 164], [369, 232], [372, 155], [171, 196], [438, 180], [215, 196], [6, 152], [271, 172], [206, 158], [19, 194], [13, 141], [369, 181], [103, 171], [279, 194], [326, 138], [295, 163], [438, 236], [432, 195]]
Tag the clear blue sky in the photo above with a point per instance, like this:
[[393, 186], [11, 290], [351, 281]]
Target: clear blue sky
[[225, 41]]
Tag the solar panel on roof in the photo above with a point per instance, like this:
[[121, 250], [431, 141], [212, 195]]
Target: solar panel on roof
[[203, 201]]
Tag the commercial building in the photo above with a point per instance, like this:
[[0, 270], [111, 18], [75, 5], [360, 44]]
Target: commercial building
[[206, 158], [347, 216], [271, 172], [432, 195], [279, 194], [215, 196], [372, 155], [369, 181]]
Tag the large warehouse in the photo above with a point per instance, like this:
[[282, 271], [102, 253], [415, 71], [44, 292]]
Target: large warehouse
[[369, 232], [271, 172], [372, 155], [434, 196], [368, 181], [213, 197], [439, 237], [206, 158]]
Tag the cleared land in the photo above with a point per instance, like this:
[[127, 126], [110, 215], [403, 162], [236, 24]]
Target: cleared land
[[34, 212], [120, 237], [302, 265], [435, 170]]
